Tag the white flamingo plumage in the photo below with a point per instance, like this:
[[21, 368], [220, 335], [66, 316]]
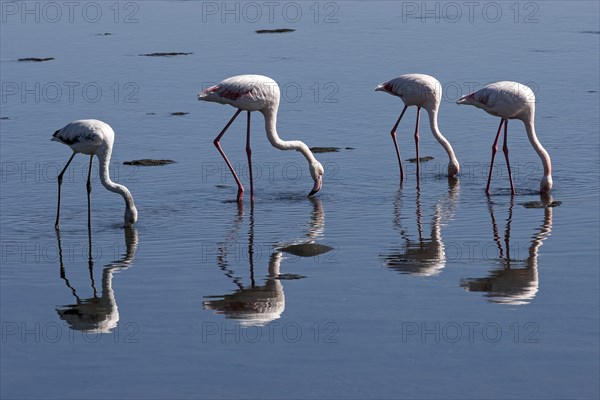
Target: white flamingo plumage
[[423, 91], [511, 100], [257, 93], [93, 137]]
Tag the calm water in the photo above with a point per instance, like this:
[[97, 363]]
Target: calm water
[[429, 293]]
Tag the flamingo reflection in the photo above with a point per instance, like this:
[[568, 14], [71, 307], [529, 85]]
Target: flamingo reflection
[[257, 305], [98, 314], [517, 282], [425, 256]]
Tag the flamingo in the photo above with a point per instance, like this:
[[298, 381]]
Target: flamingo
[[423, 91], [257, 93], [510, 285], [511, 100], [93, 137]]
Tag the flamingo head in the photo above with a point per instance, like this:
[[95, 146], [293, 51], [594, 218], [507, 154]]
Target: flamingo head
[[316, 171], [131, 216], [467, 99], [546, 184], [453, 168]]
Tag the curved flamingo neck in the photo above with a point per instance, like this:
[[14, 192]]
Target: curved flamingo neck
[[108, 295], [433, 123], [530, 128], [538, 239], [271, 129], [104, 157]]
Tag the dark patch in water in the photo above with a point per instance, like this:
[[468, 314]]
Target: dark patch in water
[[223, 186], [592, 32], [279, 30], [421, 159], [592, 91], [317, 150], [146, 162], [349, 148], [178, 113], [289, 277], [36, 59], [104, 34], [172, 54], [306, 249], [4, 117], [150, 113], [539, 204]]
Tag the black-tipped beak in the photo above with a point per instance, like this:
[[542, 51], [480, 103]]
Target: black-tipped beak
[[316, 188]]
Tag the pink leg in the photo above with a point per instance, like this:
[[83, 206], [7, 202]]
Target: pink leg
[[60, 179], [417, 139], [393, 133], [249, 154], [89, 192], [505, 150], [494, 150], [240, 194]]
